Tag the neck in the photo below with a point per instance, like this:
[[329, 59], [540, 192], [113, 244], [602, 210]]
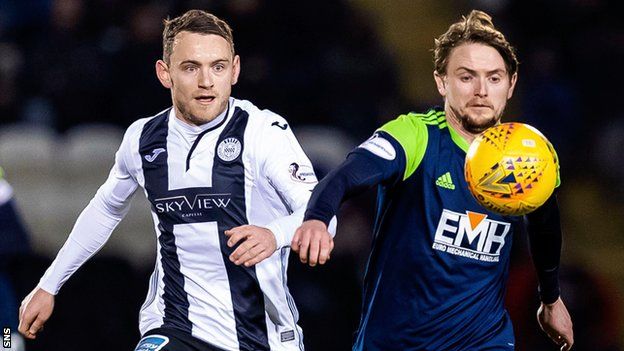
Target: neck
[[454, 122], [199, 123], [203, 125]]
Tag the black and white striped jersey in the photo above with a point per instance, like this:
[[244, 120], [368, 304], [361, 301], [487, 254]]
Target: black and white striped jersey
[[244, 167]]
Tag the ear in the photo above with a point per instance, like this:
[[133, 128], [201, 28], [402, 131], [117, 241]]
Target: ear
[[162, 72], [514, 79], [235, 69], [439, 79]]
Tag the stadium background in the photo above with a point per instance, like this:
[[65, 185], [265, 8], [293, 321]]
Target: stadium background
[[75, 73]]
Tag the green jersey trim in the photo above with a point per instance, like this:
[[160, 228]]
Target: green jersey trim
[[410, 131], [458, 139]]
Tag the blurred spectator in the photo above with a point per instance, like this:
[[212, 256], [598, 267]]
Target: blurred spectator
[[550, 100], [14, 243], [66, 73], [137, 90]]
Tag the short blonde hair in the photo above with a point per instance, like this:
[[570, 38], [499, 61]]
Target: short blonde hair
[[476, 28]]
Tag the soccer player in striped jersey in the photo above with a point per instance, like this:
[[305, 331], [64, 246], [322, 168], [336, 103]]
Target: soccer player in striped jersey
[[228, 184], [437, 271]]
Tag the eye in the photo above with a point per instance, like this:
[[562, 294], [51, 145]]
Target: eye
[[219, 67], [190, 68], [495, 79], [465, 78]]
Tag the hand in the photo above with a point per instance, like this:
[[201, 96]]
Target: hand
[[555, 321], [259, 243], [35, 310], [313, 242]]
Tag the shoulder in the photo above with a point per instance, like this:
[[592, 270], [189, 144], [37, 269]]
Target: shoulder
[[412, 121], [411, 132], [135, 130], [132, 137], [261, 121]]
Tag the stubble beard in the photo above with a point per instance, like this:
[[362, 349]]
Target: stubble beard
[[472, 126], [195, 119]]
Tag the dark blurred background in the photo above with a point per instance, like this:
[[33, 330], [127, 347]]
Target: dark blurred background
[[75, 73]]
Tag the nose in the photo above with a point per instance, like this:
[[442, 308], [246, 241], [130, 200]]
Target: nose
[[205, 79], [481, 87]]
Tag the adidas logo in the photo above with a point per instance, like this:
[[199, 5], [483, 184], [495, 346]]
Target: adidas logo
[[445, 181]]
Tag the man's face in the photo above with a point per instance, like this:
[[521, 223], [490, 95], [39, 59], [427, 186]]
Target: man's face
[[476, 86], [200, 75]]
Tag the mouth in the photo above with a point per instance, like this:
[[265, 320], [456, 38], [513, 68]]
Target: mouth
[[480, 106], [205, 99]]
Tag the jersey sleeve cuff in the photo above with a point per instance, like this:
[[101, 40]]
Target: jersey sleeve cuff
[[549, 289], [310, 215], [47, 287], [280, 239]]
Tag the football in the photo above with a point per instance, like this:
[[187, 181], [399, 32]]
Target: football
[[511, 169]]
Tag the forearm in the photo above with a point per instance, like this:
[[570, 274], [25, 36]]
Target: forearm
[[284, 227], [357, 174], [545, 239], [91, 231]]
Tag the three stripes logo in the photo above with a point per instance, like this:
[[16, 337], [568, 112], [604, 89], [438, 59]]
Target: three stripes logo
[[445, 181]]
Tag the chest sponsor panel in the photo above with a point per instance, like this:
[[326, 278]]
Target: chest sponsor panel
[[192, 205], [471, 235]]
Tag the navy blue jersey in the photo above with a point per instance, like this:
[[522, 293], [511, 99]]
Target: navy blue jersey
[[437, 272]]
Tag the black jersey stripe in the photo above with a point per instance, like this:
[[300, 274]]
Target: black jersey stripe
[[247, 297], [155, 172]]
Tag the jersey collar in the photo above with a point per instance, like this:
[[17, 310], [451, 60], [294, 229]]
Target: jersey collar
[[458, 139], [199, 129]]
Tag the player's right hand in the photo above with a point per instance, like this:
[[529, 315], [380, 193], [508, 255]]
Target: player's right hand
[[35, 310], [313, 242]]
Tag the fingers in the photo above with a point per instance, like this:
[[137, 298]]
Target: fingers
[[30, 324], [314, 246], [294, 244], [36, 326], [24, 324], [327, 245], [257, 244], [320, 248], [566, 342], [555, 320], [235, 234], [257, 259], [246, 254], [304, 244]]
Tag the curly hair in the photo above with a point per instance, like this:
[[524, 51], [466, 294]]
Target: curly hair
[[476, 28]]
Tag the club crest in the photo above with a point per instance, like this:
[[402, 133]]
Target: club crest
[[229, 149]]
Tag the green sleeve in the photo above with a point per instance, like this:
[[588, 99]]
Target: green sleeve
[[411, 132]]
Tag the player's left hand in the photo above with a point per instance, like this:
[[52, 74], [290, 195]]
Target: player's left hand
[[258, 244], [313, 242], [555, 321]]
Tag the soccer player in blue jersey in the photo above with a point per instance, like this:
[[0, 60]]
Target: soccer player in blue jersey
[[228, 185], [437, 271]]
